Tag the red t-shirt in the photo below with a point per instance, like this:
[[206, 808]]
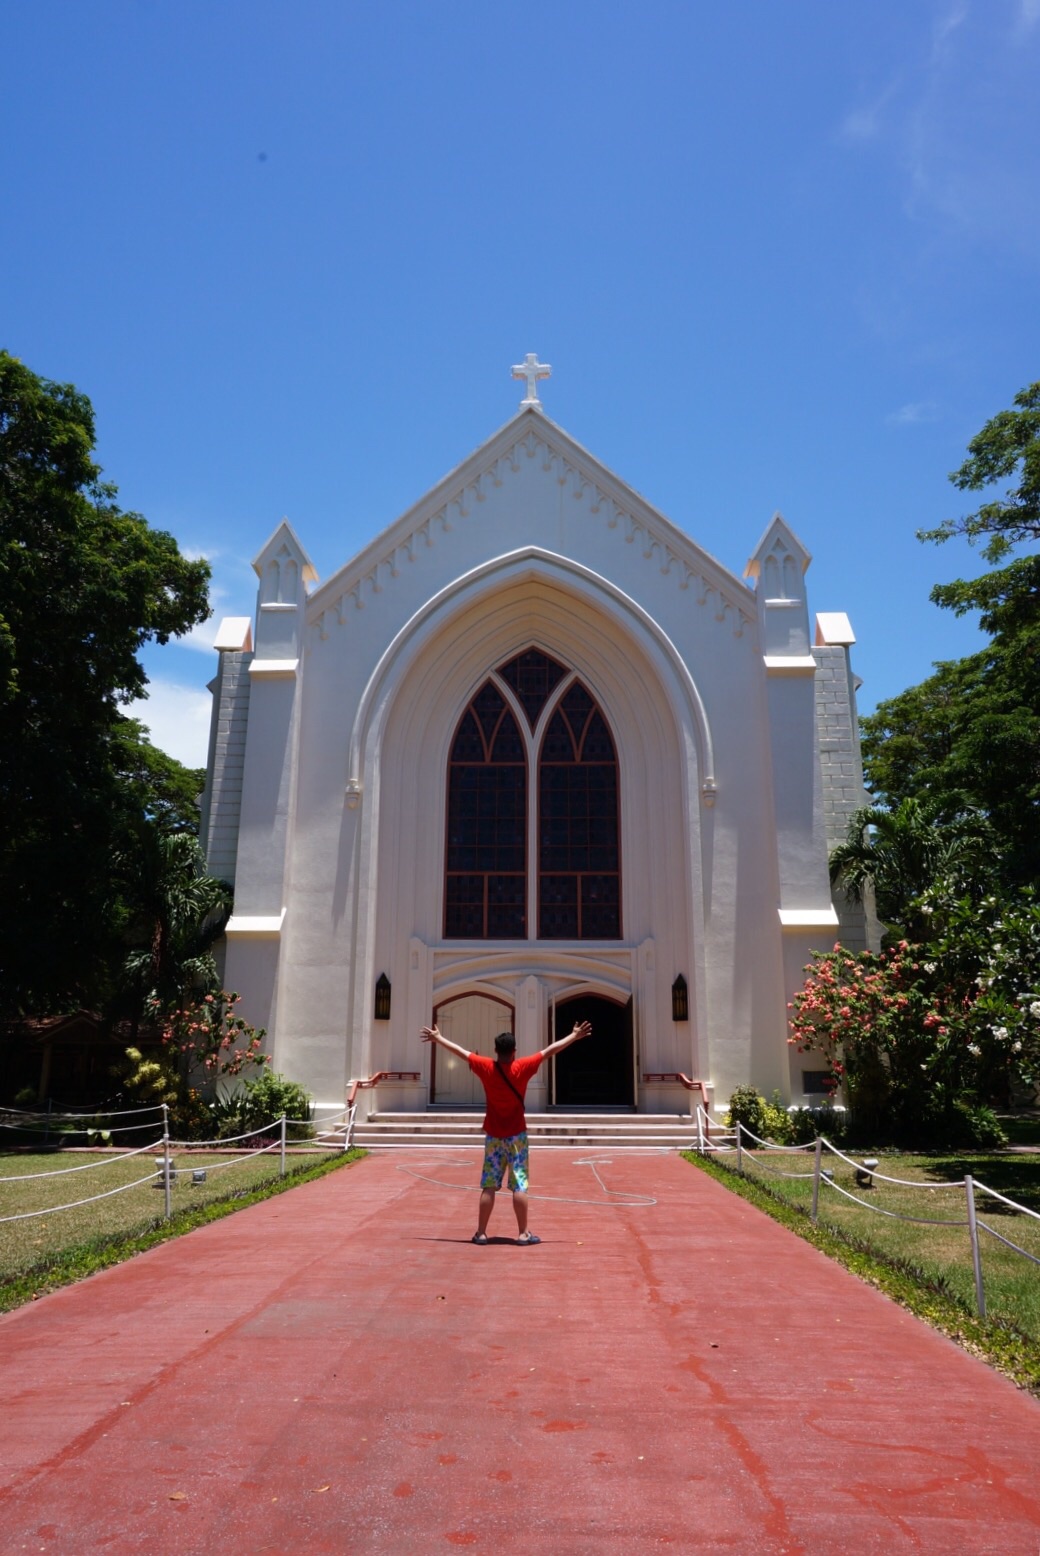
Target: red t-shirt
[[505, 1112]]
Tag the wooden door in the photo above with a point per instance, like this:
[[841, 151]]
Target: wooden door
[[474, 1021]]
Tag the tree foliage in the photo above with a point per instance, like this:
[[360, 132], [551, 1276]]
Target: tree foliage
[[927, 1034], [83, 586], [1007, 446], [968, 737], [905, 851], [920, 1036], [176, 913], [201, 1042]]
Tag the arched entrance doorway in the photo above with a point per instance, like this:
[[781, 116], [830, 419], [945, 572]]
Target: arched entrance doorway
[[473, 1021], [599, 1071]]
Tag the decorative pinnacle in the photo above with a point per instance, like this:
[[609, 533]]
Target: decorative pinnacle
[[532, 370]]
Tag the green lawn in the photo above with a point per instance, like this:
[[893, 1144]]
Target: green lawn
[[50, 1237], [939, 1254]]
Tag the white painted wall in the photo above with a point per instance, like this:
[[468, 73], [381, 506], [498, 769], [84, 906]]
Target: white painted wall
[[341, 846]]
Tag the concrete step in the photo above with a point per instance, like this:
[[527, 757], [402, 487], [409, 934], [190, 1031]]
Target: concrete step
[[388, 1143], [611, 1130]]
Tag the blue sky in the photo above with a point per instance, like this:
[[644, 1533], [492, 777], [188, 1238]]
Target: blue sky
[[779, 256]]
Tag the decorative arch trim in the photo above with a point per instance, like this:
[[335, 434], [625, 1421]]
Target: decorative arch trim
[[534, 563]]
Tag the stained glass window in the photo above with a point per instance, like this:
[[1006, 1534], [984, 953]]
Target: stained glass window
[[533, 676], [486, 876], [579, 868]]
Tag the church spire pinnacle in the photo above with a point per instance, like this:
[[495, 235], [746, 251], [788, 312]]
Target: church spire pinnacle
[[532, 370]]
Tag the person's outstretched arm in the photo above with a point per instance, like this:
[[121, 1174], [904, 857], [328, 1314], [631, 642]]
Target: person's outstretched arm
[[581, 1029], [434, 1035]]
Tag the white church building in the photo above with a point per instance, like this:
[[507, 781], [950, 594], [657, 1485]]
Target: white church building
[[532, 756]]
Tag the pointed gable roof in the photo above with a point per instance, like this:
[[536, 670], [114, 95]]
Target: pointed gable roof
[[778, 539], [531, 434], [284, 543]]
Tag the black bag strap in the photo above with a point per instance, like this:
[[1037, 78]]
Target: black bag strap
[[509, 1083]]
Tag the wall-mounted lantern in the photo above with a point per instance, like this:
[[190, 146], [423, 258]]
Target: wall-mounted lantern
[[680, 1000], [382, 998]]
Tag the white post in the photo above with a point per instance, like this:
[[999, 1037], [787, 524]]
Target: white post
[[700, 1129], [167, 1164], [816, 1179], [282, 1165], [740, 1157], [976, 1257]]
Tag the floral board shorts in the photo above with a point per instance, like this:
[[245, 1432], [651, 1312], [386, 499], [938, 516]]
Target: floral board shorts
[[500, 1154]]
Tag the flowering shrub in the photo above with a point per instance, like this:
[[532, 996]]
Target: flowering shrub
[[883, 1023], [208, 1035], [198, 1043], [992, 950], [151, 1079], [923, 1038]]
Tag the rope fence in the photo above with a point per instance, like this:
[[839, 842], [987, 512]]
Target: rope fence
[[100, 1112], [92, 1166], [59, 1127], [333, 1132], [746, 1145], [74, 1204]]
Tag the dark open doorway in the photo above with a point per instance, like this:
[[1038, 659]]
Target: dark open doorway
[[598, 1071]]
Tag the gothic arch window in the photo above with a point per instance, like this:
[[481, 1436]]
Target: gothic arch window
[[570, 815], [485, 894], [533, 677], [579, 867]]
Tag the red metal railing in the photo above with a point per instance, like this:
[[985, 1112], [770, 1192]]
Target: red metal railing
[[684, 1080], [373, 1080]]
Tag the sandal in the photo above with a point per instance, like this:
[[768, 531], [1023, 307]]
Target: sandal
[[479, 1237], [527, 1239]]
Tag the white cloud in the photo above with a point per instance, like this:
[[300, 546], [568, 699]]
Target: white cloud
[[913, 414], [861, 124], [949, 123], [954, 17], [177, 718], [870, 121]]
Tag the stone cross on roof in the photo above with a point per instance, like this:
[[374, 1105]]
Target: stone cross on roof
[[531, 369]]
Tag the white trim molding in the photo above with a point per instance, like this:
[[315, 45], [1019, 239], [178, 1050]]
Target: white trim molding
[[808, 918], [274, 669], [256, 926], [794, 664]]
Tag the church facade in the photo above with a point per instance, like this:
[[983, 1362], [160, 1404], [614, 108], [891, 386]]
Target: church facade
[[532, 756]]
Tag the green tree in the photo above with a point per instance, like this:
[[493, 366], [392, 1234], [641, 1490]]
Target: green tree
[[903, 852], [179, 911], [1007, 446], [154, 784], [968, 737], [83, 586]]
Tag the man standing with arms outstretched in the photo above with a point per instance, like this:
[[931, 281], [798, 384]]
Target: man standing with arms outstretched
[[504, 1079]]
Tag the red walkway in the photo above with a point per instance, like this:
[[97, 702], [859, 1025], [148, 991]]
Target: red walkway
[[339, 1370]]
